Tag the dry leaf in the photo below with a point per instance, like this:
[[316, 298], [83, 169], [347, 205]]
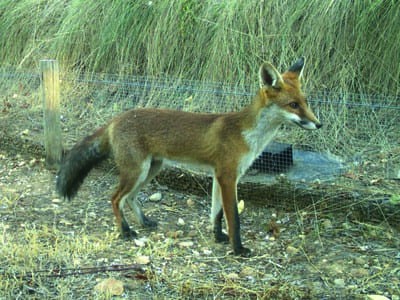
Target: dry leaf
[[292, 250], [110, 286], [240, 206], [274, 229], [190, 202], [375, 181], [186, 244], [377, 297], [142, 260], [174, 234]]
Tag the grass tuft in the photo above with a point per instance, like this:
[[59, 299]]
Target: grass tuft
[[350, 46]]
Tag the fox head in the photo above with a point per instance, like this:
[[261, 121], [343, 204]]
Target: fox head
[[283, 93]]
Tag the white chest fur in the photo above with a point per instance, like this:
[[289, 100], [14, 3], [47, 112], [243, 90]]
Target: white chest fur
[[258, 137]]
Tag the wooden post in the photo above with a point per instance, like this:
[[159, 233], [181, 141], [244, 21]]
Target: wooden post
[[51, 107]]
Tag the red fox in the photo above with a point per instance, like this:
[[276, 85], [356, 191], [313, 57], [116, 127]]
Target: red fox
[[140, 140]]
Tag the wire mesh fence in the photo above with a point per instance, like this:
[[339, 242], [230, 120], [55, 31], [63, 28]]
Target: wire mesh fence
[[359, 140], [355, 124]]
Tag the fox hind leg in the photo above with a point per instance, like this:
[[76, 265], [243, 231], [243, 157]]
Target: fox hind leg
[[122, 224], [153, 170], [131, 180]]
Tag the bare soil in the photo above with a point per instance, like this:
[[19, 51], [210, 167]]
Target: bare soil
[[52, 248]]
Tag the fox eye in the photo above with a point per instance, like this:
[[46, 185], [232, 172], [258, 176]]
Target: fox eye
[[294, 105]]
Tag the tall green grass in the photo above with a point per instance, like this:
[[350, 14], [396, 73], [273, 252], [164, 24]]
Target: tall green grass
[[350, 45]]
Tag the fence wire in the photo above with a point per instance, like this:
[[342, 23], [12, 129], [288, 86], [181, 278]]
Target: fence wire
[[358, 128]]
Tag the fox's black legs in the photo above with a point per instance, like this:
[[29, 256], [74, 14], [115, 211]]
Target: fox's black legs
[[224, 192], [219, 236]]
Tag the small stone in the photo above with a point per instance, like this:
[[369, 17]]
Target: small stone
[[180, 222], [339, 282], [155, 197], [190, 202], [25, 132], [186, 244], [207, 251], [140, 242]]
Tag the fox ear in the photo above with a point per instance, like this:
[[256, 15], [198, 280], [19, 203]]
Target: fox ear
[[269, 76], [298, 67]]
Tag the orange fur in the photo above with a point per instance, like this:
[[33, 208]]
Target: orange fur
[[140, 140]]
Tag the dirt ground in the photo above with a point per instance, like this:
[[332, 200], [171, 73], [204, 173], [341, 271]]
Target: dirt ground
[[55, 249]]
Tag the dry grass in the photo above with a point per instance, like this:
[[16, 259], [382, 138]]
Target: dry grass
[[62, 250], [350, 45], [323, 250]]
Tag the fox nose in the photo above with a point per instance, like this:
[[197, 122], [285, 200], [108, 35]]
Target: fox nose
[[319, 125]]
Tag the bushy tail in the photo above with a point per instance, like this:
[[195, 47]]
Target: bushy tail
[[80, 160]]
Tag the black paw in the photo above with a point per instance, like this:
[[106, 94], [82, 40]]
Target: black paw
[[242, 251], [149, 223], [128, 234], [221, 238]]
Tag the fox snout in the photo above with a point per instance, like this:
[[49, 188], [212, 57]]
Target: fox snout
[[309, 125], [308, 122]]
